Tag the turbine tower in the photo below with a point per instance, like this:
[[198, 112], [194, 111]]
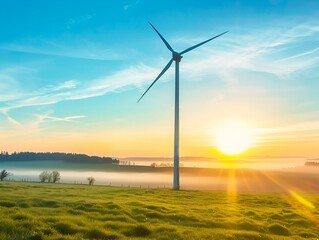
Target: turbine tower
[[177, 57]]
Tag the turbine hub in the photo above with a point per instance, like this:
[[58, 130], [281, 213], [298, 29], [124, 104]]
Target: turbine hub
[[177, 57]]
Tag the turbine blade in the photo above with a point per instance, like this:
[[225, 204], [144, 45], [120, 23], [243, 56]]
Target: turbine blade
[[163, 39], [158, 77], [197, 45]]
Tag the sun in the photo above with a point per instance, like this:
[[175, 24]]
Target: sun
[[234, 138]]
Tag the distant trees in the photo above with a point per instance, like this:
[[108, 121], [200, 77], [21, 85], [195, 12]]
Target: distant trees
[[50, 176], [126, 163], [4, 174], [154, 164], [56, 176], [44, 176], [55, 156], [91, 180], [165, 165], [312, 163]]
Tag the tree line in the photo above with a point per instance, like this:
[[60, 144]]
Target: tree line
[[55, 156], [312, 163]]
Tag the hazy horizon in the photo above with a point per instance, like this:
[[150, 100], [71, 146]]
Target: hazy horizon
[[70, 82]]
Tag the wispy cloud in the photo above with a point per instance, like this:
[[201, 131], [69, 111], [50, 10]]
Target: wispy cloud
[[65, 85], [43, 118], [128, 6], [69, 90], [263, 52], [297, 132], [299, 55], [38, 120], [81, 49], [77, 20], [11, 120], [250, 53], [297, 127]]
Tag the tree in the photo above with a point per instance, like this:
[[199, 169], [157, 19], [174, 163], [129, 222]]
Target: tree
[[154, 164], [91, 180], [50, 176], [4, 174], [44, 176], [56, 176]]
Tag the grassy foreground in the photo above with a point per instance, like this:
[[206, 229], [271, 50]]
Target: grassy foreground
[[61, 211]]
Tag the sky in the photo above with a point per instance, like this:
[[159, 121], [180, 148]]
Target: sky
[[71, 73]]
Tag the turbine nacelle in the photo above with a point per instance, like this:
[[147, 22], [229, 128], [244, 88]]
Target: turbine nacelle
[[176, 56]]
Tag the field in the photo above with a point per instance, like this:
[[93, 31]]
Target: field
[[66, 211]]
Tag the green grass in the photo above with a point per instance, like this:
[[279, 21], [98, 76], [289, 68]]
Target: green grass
[[60, 211]]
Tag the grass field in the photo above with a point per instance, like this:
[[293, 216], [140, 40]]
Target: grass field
[[61, 211]]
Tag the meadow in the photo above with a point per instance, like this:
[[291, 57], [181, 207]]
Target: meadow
[[66, 211]]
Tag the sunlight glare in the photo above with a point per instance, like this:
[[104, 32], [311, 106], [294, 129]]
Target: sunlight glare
[[234, 138]]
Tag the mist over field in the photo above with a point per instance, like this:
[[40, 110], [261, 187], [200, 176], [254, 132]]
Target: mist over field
[[215, 175]]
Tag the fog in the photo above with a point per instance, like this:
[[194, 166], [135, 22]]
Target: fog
[[266, 174], [233, 180]]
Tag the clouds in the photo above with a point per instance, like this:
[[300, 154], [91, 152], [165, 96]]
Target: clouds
[[64, 85], [135, 76], [280, 55], [80, 19], [130, 5], [69, 48], [248, 53], [38, 120], [230, 59]]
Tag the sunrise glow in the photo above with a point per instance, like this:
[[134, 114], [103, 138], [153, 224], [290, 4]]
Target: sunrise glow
[[234, 138]]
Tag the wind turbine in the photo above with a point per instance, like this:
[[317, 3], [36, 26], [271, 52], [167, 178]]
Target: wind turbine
[[177, 57]]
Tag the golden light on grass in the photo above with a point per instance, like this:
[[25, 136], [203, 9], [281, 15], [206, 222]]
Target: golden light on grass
[[302, 200], [234, 138]]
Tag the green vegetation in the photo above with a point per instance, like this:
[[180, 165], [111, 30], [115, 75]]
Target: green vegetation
[[4, 174], [38, 211]]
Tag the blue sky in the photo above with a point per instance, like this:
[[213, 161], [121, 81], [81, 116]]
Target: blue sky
[[72, 71]]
